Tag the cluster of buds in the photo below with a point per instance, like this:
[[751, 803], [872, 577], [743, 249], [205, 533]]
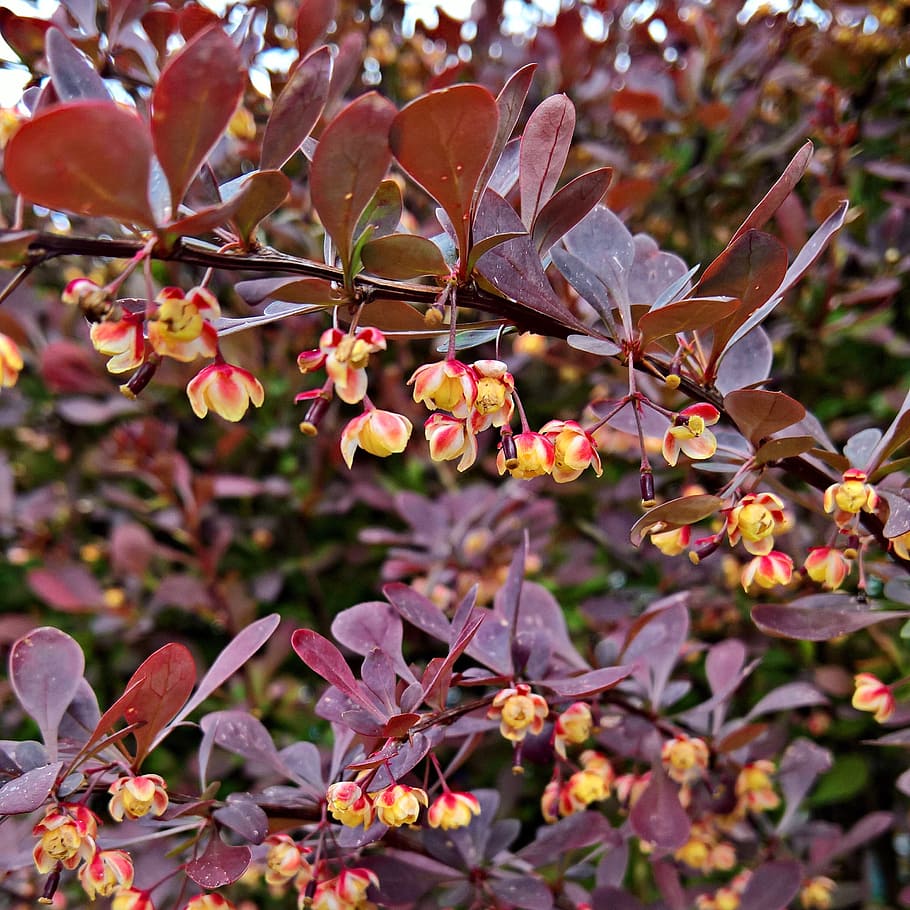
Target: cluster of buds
[[726, 898], [394, 806], [591, 784], [704, 851]]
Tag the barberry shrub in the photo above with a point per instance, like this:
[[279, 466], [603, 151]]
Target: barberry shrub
[[606, 631]]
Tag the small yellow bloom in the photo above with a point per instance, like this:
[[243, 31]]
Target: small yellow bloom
[[349, 804], [754, 787], [685, 758], [134, 797], [816, 893], [520, 712], [399, 804], [106, 872], [453, 810], [225, 389], [380, 433], [10, 362], [872, 695]]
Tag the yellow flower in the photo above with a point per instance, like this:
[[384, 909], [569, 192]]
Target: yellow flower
[[105, 872], [180, 328], [535, 455], [689, 434], [685, 758], [572, 726], [816, 893], [134, 797], [872, 695], [827, 566], [755, 519], [453, 810], [775, 568], [754, 787], [447, 384], [520, 712], [121, 340], [284, 859], [580, 790], [349, 805], [67, 833], [399, 804], [381, 433], [10, 362]]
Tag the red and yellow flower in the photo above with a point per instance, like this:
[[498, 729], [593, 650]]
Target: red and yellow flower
[[381, 433], [851, 496], [690, 435], [827, 566], [181, 327], [11, 362], [493, 405], [67, 833], [210, 900], [520, 711], [816, 893], [226, 389], [535, 456], [572, 726], [872, 695], [349, 805], [580, 790], [575, 450], [453, 810], [448, 385], [398, 804], [134, 797], [121, 340], [132, 899], [775, 568], [450, 438], [685, 758], [549, 802], [105, 872], [348, 891], [284, 860], [344, 356], [754, 788], [669, 540], [755, 519]]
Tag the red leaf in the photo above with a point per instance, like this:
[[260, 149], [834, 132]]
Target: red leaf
[[66, 159], [443, 140], [262, 192], [567, 207], [313, 18], [297, 108], [220, 865], [73, 76], [350, 161], [758, 413], [153, 696], [544, 149], [691, 315], [187, 122]]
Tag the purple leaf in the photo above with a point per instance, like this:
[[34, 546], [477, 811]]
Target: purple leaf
[[801, 764], [67, 586], [521, 890], [789, 695], [513, 268], [819, 617], [758, 413], [586, 683], [898, 522], [220, 865], [666, 877], [724, 664], [405, 875], [73, 76], [656, 277], [572, 833], [402, 257], [772, 886], [866, 829], [378, 674], [507, 597], [654, 644], [28, 791], [439, 670], [45, 671], [544, 149], [297, 109], [609, 898], [369, 626], [591, 345], [746, 363], [418, 610], [568, 206], [243, 817], [657, 815], [242, 734], [238, 651]]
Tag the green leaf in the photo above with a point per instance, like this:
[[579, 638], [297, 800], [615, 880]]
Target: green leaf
[[848, 778], [402, 257]]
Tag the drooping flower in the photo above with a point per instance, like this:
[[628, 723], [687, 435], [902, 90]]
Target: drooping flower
[[349, 805], [352, 884], [549, 802], [629, 787], [689, 434], [872, 695], [87, 295], [592, 760], [226, 389], [122, 340], [398, 804], [827, 566], [181, 327], [851, 496], [754, 788], [580, 790], [755, 519], [132, 899], [453, 810], [775, 568], [11, 362], [535, 455], [520, 711], [67, 833], [284, 859], [134, 797], [381, 433], [447, 384], [494, 404], [816, 892], [105, 872], [449, 438], [572, 726], [344, 356], [669, 540], [575, 450], [685, 757]]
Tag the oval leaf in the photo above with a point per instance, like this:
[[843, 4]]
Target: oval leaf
[[73, 76], [402, 257], [758, 414], [350, 161], [45, 669], [812, 619], [220, 865], [692, 315], [683, 511], [443, 140], [657, 815], [567, 207], [772, 886], [187, 122], [544, 149], [90, 176], [296, 109]]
